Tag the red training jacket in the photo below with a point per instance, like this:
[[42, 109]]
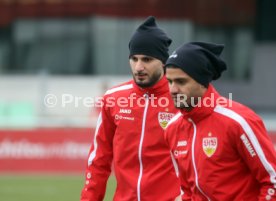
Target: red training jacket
[[131, 133], [223, 152]]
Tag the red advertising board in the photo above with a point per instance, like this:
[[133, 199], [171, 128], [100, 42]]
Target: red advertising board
[[49, 150], [213, 12], [272, 136]]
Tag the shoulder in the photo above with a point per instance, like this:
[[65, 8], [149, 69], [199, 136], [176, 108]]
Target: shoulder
[[238, 114], [174, 121], [119, 89]]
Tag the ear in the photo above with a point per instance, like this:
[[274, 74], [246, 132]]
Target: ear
[[164, 69]]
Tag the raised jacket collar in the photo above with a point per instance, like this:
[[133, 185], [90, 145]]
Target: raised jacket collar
[[205, 107], [159, 88]]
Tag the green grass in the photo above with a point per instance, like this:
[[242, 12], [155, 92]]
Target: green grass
[[46, 187]]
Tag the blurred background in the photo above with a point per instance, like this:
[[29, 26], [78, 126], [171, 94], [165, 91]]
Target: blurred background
[[57, 57]]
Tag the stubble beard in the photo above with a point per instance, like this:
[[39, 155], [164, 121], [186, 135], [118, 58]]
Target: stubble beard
[[152, 81]]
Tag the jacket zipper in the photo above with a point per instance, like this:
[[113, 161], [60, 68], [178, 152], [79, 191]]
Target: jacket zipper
[[193, 160], [140, 148]]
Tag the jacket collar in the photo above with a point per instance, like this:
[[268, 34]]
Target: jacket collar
[[159, 88], [205, 107]]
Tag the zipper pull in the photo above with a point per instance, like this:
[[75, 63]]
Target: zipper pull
[[146, 95]]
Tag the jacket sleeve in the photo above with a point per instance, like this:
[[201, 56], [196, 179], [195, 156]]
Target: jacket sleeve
[[99, 158], [256, 149], [186, 192]]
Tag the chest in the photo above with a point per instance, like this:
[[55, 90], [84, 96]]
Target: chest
[[141, 118], [205, 145]]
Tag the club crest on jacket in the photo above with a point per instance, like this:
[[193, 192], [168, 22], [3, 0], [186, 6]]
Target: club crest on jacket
[[209, 145], [164, 118]]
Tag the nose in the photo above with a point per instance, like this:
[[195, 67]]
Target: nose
[[173, 88], [139, 66]]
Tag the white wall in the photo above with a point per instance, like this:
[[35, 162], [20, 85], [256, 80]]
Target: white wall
[[73, 98]]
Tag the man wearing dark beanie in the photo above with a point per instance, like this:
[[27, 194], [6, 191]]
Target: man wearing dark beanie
[[221, 147], [150, 40], [130, 129]]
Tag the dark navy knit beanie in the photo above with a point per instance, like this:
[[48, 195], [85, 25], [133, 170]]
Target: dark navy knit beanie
[[150, 40], [199, 60]]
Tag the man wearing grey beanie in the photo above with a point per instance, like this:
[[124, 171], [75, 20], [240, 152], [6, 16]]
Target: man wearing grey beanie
[[221, 146], [132, 134]]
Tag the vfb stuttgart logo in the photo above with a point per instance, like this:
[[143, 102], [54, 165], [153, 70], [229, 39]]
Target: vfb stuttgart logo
[[209, 145], [164, 118]]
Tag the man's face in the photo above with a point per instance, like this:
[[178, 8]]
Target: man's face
[[146, 70], [184, 90]]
